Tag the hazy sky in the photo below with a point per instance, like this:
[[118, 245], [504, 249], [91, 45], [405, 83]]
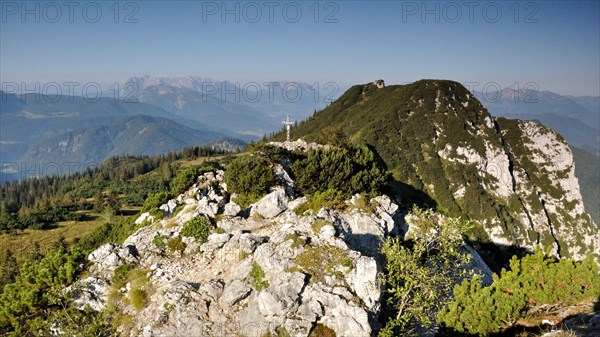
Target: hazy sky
[[553, 44]]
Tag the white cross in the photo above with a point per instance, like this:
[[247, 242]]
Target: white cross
[[288, 124]]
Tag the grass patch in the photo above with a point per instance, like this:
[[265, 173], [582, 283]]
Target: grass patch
[[297, 241], [323, 261], [138, 298], [243, 255], [318, 224], [322, 330], [176, 245], [331, 199], [282, 332], [139, 283], [245, 200], [363, 203], [159, 241], [22, 242]]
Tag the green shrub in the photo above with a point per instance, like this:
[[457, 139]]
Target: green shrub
[[159, 241], [36, 299], [258, 277], [250, 175], [270, 153], [156, 213], [155, 200], [176, 245], [347, 170], [331, 199], [198, 227], [322, 330], [421, 271], [535, 281], [186, 178]]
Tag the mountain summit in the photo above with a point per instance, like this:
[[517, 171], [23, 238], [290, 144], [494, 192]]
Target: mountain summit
[[515, 178]]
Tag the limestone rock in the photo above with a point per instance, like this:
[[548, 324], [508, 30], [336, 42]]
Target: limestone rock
[[364, 280], [92, 292], [271, 205], [233, 293], [232, 209], [144, 217]]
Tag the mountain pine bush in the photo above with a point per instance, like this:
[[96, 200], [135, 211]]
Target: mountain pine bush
[[347, 170], [532, 284], [250, 175], [198, 227]]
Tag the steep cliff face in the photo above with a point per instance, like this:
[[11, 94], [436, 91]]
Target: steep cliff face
[[543, 172], [516, 178]]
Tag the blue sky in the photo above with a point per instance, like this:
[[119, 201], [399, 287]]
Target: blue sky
[[553, 44]]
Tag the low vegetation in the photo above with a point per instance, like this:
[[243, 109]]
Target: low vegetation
[[322, 261], [322, 330], [159, 241], [344, 170], [35, 301], [421, 271], [176, 245], [198, 227], [250, 177], [536, 284], [258, 277]]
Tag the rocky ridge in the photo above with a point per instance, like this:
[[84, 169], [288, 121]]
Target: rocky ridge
[[265, 269]]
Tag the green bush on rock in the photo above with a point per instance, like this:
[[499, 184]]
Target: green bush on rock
[[199, 228], [250, 176], [534, 282]]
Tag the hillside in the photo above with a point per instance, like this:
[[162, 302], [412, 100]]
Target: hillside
[[446, 150], [137, 135], [27, 120], [287, 239]]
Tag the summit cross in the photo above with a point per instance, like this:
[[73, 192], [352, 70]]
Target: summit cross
[[288, 124]]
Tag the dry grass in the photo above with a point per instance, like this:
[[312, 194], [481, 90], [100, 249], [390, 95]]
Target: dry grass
[[22, 242]]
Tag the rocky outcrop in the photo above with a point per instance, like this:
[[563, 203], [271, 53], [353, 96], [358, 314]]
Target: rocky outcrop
[[298, 145], [273, 269]]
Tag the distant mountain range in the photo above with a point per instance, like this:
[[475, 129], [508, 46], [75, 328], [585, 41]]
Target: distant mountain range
[[182, 111], [159, 115], [37, 129], [276, 99], [223, 116], [136, 135], [577, 119]]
